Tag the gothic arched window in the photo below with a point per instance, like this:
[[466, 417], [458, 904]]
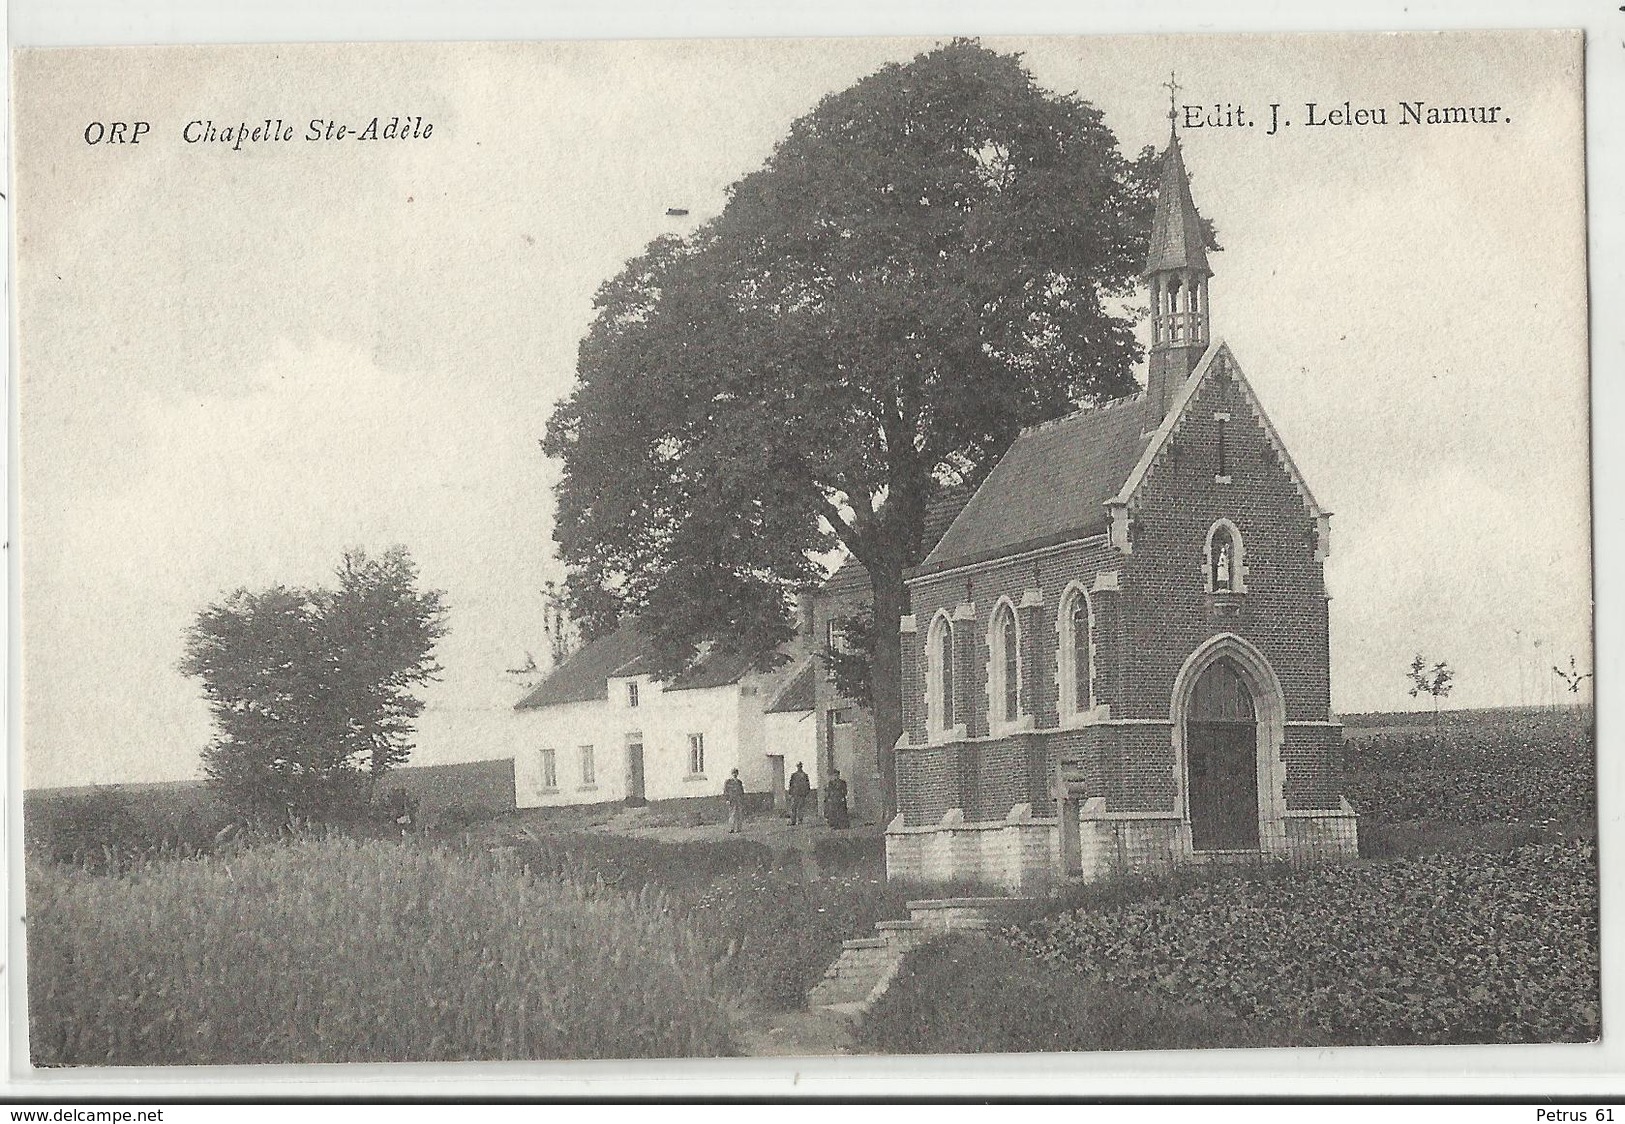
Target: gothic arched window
[[940, 674], [1075, 662], [1004, 666]]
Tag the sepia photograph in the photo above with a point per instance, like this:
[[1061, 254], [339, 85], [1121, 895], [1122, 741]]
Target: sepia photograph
[[803, 547]]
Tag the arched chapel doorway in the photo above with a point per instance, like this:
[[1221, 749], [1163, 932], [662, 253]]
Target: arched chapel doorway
[[1221, 760]]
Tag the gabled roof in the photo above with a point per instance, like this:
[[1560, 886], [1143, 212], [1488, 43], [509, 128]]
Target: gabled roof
[[625, 652], [1218, 358], [797, 694], [1054, 483], [1176, 229], [1050, 485], [586, 674]]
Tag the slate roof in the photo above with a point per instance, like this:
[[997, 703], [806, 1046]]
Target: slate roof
[[797, 694], [1176, 230], [585, 675], [1050, 486]]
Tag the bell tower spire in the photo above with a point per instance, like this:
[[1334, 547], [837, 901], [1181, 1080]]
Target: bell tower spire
[[1176, 274]]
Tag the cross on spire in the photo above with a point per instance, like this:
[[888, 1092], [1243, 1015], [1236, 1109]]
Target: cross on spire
[[1173, 90]]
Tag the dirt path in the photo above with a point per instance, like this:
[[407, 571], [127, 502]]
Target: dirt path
[[796, 1034]]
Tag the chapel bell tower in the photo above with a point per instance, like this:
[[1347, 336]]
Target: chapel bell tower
[[1176, 273]]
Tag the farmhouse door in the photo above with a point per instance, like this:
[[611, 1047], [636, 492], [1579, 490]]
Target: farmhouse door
[[634, 774], [1221, 752], [775, 766], [843, 754]]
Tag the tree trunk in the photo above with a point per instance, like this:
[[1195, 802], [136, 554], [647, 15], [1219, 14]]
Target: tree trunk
[[886, 676]]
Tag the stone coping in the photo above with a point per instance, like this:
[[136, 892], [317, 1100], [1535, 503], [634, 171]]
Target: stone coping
[[1344, 810], [969, 903], [977, 825]]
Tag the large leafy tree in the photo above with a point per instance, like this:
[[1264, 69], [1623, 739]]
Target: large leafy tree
[[929, 261], [312, 689]]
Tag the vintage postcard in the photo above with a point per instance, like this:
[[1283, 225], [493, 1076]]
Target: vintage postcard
[[546, 551]]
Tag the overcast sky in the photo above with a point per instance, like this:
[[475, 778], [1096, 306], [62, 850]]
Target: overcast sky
[[235, 364]]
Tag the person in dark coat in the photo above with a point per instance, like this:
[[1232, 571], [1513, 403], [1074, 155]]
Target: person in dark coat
[[800, 789], [733, 791], [835, 801]]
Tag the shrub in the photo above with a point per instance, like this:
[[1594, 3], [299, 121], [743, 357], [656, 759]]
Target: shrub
[[1442, 949], [848, 854], [488, 783], [459, 815], [975, 994], [106, 829], [339, 951], [631, 864]]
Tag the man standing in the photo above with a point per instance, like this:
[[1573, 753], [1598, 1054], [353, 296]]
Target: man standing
[[835, 810], [800, 789], [733, 791]]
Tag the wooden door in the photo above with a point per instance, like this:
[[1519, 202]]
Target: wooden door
[[843, 755], [775, 764], [634, 774], [1221, 753]]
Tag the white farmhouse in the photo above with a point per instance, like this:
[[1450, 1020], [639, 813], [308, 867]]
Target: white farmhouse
[[601, 729]]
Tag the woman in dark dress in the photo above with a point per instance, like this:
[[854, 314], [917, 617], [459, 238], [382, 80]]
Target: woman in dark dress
[[835, 801]]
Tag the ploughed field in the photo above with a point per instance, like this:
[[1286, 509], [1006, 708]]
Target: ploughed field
[[1498, 767]]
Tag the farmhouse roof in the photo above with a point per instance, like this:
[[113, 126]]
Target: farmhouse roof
[[797, 694], [1051, 485], [625, 652]]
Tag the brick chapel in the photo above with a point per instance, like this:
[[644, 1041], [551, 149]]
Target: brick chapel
[[1118, 655]]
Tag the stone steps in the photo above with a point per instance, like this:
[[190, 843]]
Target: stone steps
[[867, 965]]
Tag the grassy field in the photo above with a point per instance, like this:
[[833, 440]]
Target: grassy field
[[474, 937], [332, 950]]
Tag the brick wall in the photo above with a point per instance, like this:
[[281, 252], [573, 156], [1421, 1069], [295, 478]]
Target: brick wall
[[982, 778], [1167, 609], [1142, 634], [1049, 573]]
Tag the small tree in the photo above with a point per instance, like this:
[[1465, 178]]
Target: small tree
[[562, 633], [311, 689], [1436, 681], [1573, 677]]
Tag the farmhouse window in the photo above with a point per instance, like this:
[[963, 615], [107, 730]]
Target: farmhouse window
[[589, 774], [835, 643], [631, 694], [696, 754], [550, 768]]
